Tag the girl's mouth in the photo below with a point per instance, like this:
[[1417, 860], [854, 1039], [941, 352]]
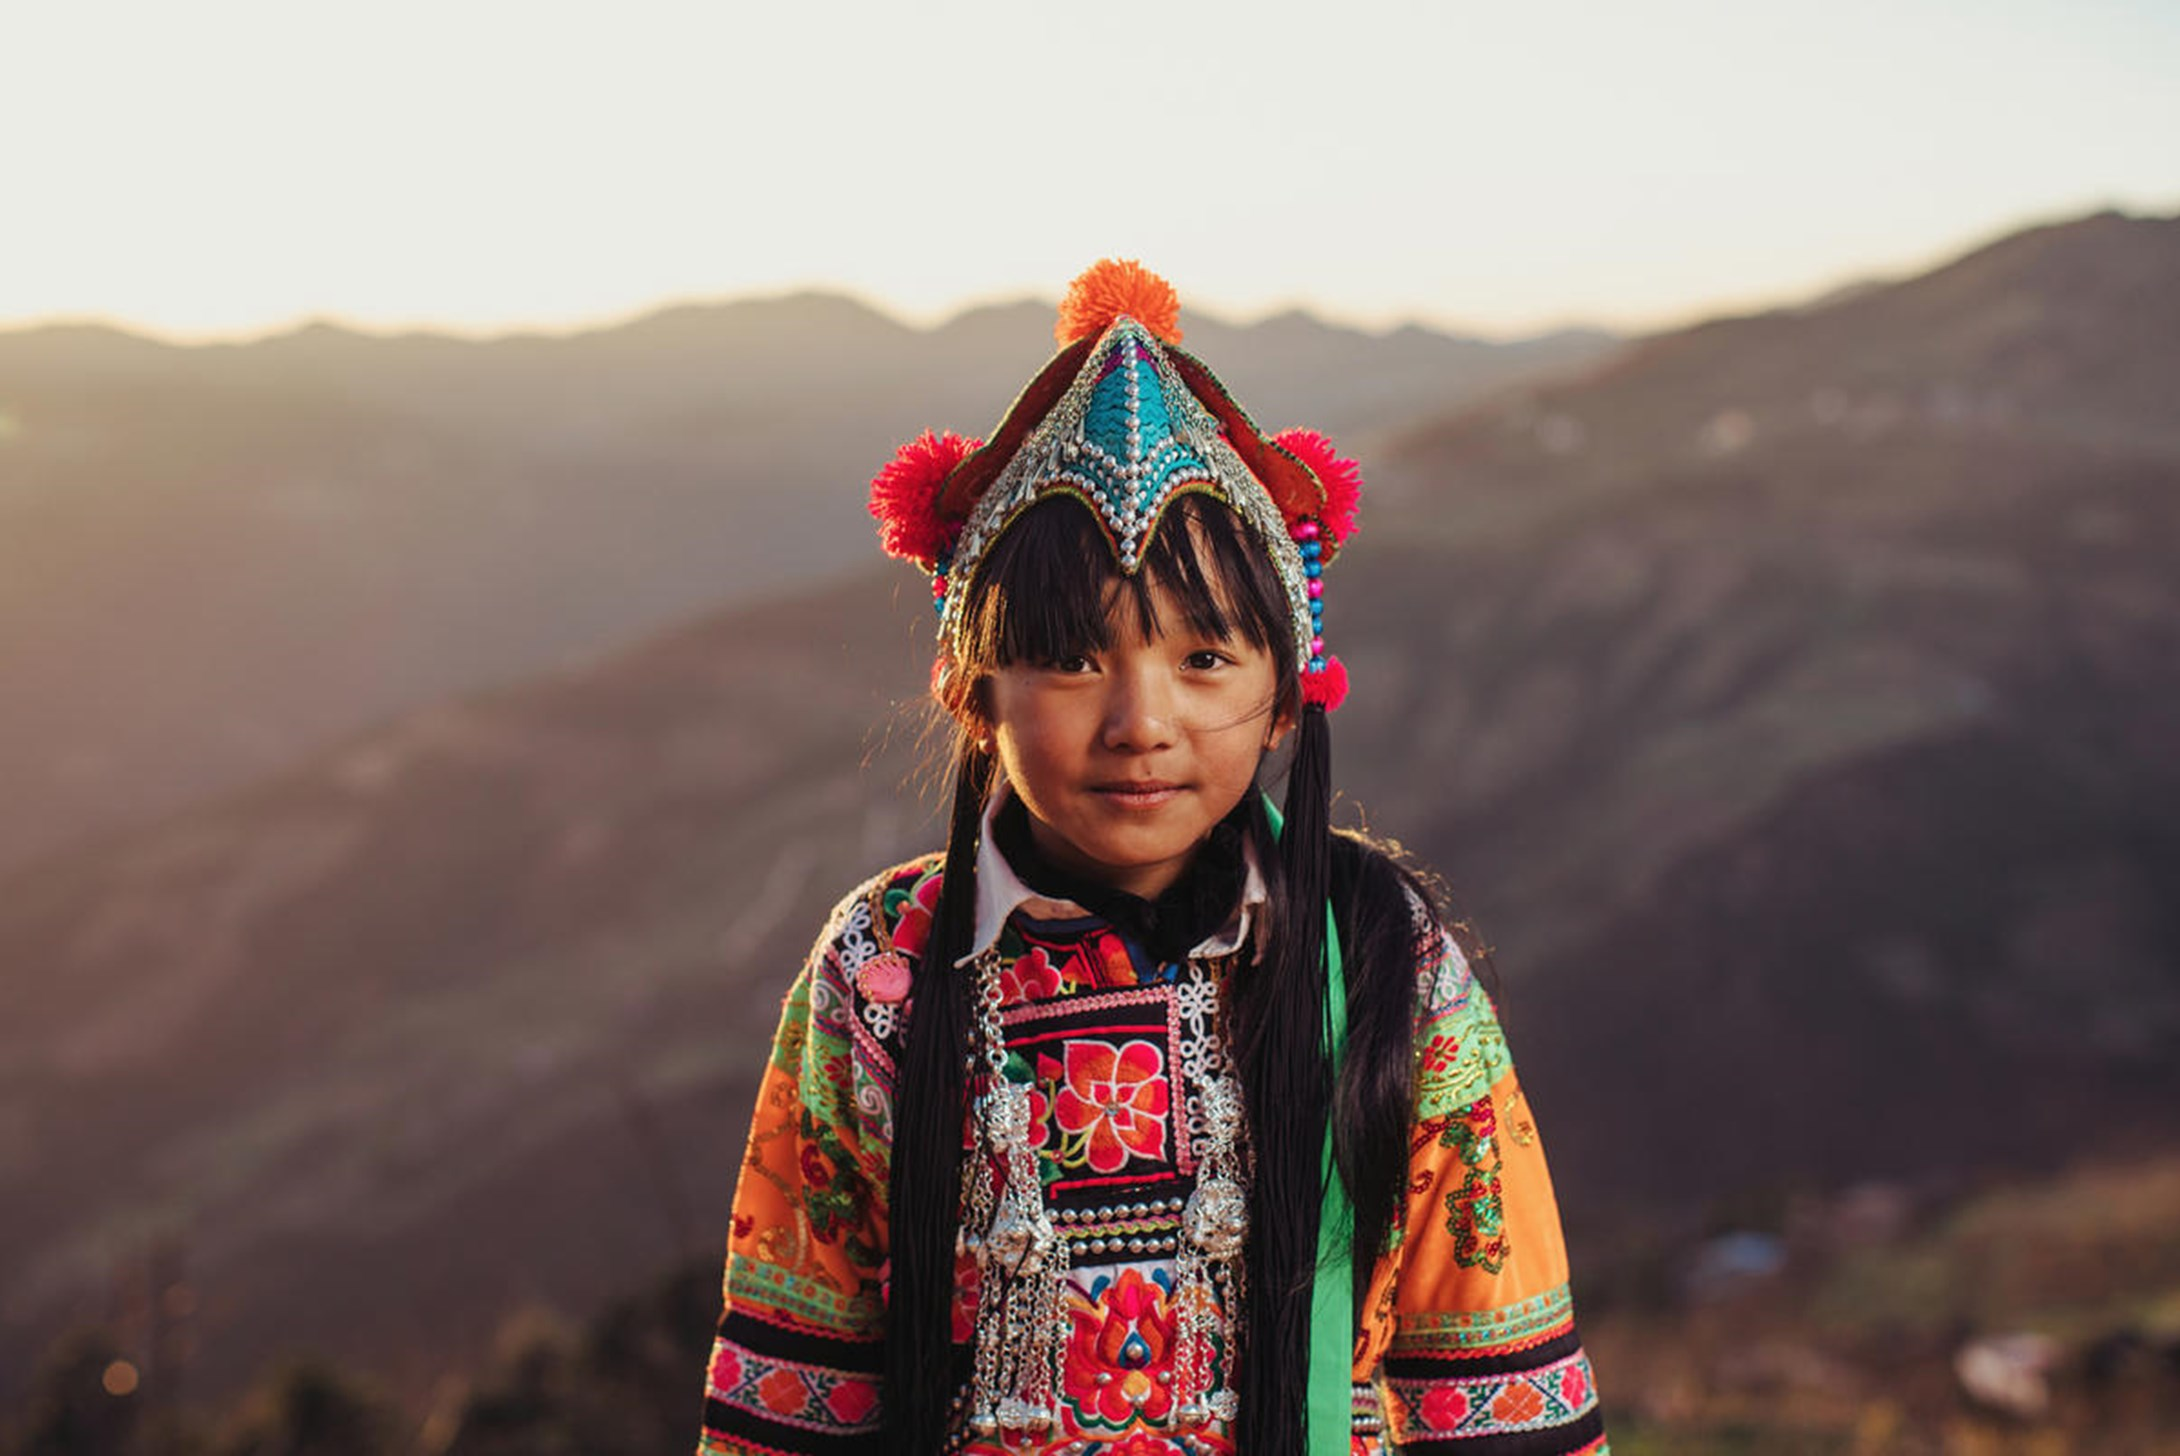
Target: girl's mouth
[[1138, 794]]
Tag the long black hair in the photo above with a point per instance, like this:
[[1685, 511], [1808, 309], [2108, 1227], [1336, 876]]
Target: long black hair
[[1049, 588]]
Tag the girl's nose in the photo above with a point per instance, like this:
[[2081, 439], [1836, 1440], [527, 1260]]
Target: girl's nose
[[1139, 712]]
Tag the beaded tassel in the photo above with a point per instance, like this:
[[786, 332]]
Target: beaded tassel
[[1022, 1262]]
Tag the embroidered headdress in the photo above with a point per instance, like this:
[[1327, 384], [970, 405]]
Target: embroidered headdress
[[1125, 421]]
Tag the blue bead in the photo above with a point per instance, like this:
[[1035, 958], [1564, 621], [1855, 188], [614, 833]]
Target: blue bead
[[1313, 549], [1317, 664], [1313, 569]]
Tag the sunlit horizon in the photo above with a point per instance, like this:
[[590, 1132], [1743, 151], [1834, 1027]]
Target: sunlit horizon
[[240, 168]]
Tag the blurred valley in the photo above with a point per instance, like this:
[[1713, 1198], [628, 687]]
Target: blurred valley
[[428, 761], [216, 559]]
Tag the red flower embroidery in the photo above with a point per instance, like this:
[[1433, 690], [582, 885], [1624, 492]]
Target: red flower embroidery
[[1120, 1352], [726, 1368], [1040, 1109], [1031, 978], [1574, 1386], [852, 1401], [1444, 1408], [1113, 1104], [914, 932]]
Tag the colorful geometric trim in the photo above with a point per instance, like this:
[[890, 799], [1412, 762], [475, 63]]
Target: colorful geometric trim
[[784, 1391], [1510, 1327], [1543, 1399]]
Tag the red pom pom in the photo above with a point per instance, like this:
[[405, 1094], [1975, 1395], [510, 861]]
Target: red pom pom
[[1327, 687], [1111, 287], [1341, 478], [905, 497]]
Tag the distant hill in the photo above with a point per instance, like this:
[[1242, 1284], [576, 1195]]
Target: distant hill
[[1797, 696], [215, 559], [1790, 698]]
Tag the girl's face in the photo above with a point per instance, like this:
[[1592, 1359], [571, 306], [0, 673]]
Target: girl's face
[[1126, 756]]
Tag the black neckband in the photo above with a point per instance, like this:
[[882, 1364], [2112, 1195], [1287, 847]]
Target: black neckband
[[1190, 910]]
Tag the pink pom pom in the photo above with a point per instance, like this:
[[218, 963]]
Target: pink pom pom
[[1327, 687], [904, 497], [1341, 477]]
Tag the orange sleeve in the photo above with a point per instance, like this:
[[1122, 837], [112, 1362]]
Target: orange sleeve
[[1469, 1322], [796, 1364]]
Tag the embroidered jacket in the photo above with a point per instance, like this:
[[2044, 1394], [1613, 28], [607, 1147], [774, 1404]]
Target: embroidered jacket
[[1467, 1342]]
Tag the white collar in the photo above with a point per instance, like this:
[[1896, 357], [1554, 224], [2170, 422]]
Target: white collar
[[1000, 892]]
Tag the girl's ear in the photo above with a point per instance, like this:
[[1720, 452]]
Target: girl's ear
[[963, 701], [1276, 732]]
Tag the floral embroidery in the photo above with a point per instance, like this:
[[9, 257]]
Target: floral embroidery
[[1517, 1405], [834, 1194], [1557, 1393], [914, 904], [1120, 1351], [1112, 1104], [884, 978], [1115, 967], [1443, 1408], [1032, 978], [812, 1397], [1098, 1039], [1475, 1217]]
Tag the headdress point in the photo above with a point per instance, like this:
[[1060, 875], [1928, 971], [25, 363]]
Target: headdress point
[[1111, 287], [1125, 421]]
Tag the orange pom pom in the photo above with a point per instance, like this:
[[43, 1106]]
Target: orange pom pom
[[1111, 287]]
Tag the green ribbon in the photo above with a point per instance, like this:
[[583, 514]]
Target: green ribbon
[[1331, 1412]]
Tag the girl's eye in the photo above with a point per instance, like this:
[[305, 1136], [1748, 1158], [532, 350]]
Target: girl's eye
[[1205, 660], [1071, 662]]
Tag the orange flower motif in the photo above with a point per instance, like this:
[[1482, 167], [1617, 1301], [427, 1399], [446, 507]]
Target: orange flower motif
[[1113, 1104], [783, 1393], [1120, 1352], [1518, 1404]]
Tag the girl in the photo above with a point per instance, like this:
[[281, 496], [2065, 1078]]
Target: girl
[[1147, 1117]]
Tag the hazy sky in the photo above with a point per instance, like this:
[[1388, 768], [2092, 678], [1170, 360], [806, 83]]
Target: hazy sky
[[226, 167]]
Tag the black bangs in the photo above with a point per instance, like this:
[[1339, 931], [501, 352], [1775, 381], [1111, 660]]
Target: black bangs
[[1051, 586]]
